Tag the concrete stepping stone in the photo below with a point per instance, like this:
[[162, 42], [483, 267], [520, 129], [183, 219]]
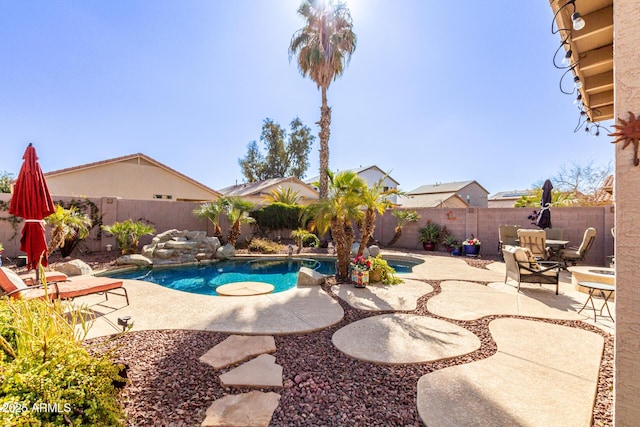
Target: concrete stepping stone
[[542, 375], [238, 348], [263, 371], [380, 297], [253, 409], [404, 338]]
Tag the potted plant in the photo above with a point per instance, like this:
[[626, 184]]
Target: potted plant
[[471, 246], [451, 242], [429, 235], [360, 271], [381, 271]]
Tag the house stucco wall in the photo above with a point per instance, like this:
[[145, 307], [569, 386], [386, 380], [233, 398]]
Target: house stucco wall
[[474, 195], [626, 18], [131, 179], [372, 176]]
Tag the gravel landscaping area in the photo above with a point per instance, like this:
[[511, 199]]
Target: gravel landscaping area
[[169, 386]]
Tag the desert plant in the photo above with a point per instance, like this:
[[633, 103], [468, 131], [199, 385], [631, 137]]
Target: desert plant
[[323, 48], [238, 214], [430, 233], [403, 217], [287, 196], [374, 201], [212, 211], [44, 364], [67, 224], [338, 212], [381, 268], [303, 237], [128, 233], [265, 246]]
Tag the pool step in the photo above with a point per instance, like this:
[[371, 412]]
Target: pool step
[[247, 409]]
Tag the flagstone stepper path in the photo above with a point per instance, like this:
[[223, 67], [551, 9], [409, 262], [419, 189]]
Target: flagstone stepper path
[[263, 371], [253, 409], [238, 348]]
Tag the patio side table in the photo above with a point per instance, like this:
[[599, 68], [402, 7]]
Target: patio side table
[[605, 292]]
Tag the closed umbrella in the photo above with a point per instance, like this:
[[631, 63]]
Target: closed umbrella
[[544, 217], [31, 200]]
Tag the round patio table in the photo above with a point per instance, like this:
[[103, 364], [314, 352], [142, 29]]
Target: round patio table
[[605, 292]]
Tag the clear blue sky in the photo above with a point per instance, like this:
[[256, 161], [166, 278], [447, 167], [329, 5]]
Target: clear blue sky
[[436, 91]]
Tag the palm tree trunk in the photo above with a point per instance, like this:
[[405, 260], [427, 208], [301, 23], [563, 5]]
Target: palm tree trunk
[[325, 123], [339, 239], [234, 233], [367, 229], [396, 236]]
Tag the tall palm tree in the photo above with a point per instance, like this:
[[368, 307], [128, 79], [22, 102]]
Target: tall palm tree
[[323, 47], [338, 212], [238, 214]]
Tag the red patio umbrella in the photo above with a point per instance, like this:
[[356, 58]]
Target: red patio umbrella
[[31, 200]]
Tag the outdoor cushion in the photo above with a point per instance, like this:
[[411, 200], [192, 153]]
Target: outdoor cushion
[[12, 282]]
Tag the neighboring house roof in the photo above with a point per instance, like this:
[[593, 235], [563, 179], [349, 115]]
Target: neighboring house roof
[[444, 187], [260, 188], [434, 200], [510, 195], [605, 193], [358, 171], [127, 158]]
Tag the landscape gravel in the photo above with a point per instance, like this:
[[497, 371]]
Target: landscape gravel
[[168, 386]]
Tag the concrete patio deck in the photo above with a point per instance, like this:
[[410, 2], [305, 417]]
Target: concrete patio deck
[[512, 386]]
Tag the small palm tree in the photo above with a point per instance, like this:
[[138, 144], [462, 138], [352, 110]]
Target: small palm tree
[[338, 212], [301, 235], [403, 217], [212, 211], [374, 201], [128, 233], [323, 47], [66, 224], [284, 195], [238, 214]]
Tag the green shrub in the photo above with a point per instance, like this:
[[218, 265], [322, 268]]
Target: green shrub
[[47, 377], [265, 246], [128, 234], [278, 216]]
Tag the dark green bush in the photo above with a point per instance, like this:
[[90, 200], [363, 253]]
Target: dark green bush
[[47, 377], [277, 216]]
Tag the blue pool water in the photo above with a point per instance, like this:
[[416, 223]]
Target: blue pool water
[[280, 272]]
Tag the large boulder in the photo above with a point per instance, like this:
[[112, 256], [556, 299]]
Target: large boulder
[[309, 277], [74, 267], [135, 259], [225, 252], [374, 250]]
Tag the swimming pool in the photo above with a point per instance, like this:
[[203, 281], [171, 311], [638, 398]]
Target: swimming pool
[[282, 273]]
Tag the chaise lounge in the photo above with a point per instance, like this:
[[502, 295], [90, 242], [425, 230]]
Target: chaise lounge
[[12, 285]]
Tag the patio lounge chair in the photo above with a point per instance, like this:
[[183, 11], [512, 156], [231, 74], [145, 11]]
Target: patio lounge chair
[[535, 240], [507, 236], [578, 253], [51, 276], [523, 267], [13, 286]]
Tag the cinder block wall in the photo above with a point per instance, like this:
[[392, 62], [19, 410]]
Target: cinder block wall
[[461, 222]]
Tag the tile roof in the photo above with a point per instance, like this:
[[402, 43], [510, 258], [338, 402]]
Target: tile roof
[[432, 200], [259, 187]]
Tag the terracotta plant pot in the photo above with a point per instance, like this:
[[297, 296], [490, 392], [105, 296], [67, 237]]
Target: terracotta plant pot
[[428, 246]]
